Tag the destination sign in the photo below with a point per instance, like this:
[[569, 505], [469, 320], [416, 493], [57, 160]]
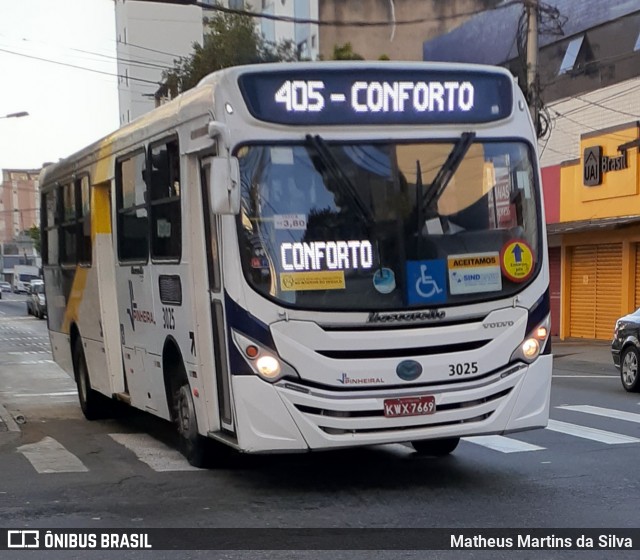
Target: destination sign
[[377, 96]]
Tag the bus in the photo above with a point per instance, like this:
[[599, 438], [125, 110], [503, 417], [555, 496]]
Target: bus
[[309, 256]]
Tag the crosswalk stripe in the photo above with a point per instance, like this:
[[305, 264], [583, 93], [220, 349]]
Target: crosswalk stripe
[[154, 453], [606, 412], [503, 444], [50, 456], [590, 433]]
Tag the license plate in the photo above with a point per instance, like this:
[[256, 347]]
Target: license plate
[[409, 406]]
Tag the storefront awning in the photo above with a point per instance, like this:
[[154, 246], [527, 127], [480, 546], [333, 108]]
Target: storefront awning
[[595, 224]]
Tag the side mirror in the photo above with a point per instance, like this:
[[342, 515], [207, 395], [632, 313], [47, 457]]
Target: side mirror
[[224, 185]]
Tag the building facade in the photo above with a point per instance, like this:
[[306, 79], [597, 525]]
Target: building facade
[[19, 202], [398, 40], [150, 36], [599, 232]]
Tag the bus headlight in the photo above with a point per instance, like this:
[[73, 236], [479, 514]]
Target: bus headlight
[[264, 362], [268, 366], [530, 348]]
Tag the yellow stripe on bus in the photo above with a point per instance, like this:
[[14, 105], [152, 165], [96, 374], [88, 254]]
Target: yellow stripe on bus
[[75, 298], [100, 211]]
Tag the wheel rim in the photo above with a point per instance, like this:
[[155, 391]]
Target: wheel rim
[[629, 368], [186, 414]]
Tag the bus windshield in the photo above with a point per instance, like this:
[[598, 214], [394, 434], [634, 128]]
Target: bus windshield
[[370, 226]]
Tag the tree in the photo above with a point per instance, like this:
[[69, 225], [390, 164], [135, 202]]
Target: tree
[[231, 40], [34, 233], [345, 52]]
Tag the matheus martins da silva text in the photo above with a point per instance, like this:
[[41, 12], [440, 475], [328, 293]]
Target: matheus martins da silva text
[[524, 541]]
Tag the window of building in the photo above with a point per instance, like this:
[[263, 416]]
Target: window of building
[[236, 4], [637, 45], [164, 188], [131, 200], [571, 55]]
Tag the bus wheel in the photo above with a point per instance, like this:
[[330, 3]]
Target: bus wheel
[[94, 406], [436, 447], [192, 444]]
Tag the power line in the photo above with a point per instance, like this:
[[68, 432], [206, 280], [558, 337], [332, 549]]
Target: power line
[[332, 23], [132, 62], [79, 67]]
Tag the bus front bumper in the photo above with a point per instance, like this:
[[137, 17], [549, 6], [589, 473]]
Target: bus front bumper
[[289, 416]]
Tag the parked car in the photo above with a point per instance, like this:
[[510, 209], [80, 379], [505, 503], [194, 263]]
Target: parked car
[[5, 287], [625, 349], [36, 300]]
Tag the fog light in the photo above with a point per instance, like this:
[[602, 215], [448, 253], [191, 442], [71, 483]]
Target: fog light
[[268, 366], [541, 333], [530, 348], [251, 351]]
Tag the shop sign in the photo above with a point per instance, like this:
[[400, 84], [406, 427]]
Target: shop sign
[[596, 165]]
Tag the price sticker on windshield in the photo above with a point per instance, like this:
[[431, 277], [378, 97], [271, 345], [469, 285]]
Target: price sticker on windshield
[[516, 261], [290, 221]]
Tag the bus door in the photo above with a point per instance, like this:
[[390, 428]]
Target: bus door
[[212, 235], [138, 323], [109, 321]]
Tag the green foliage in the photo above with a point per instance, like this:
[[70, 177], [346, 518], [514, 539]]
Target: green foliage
[[231, 40], [34, 233], [345, 52]]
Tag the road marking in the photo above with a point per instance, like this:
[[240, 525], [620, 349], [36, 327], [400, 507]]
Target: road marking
[[56, 394], [606, 412], [154, 453], [50, 456], [609, 376], [503, 444], [590, 433]]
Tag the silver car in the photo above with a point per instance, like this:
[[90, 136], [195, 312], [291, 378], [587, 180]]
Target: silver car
[[36, 301]]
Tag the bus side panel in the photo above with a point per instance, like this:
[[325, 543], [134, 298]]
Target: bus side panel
[[140, 329]]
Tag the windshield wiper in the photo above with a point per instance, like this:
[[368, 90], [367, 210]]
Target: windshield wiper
[[341, 179], [448, 169]]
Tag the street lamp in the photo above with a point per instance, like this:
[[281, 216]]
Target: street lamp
[[15, 115]]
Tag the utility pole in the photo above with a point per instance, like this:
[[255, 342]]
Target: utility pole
[[532, 59]]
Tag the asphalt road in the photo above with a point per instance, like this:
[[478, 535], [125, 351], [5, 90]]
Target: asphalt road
[[63, 471]]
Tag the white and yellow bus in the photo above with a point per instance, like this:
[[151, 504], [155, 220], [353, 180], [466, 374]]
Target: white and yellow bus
[[309, 256]]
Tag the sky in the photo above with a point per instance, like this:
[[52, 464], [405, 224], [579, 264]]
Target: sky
[[68, 107]]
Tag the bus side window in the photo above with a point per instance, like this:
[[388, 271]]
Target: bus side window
[[164, 189], [51, 219], [131, 200]]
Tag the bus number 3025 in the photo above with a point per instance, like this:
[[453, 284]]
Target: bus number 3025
[[464, 368]]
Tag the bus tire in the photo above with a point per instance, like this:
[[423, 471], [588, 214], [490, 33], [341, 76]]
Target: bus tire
[[192, 445], [436, 447], [94, 405]]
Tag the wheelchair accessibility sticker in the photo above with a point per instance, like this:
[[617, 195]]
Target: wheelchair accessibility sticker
[[427, 281]]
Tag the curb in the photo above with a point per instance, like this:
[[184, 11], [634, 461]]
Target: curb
[[13, 430]]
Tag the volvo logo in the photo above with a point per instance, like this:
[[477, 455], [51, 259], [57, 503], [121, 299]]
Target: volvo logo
[[409, 370], [498, 325]]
